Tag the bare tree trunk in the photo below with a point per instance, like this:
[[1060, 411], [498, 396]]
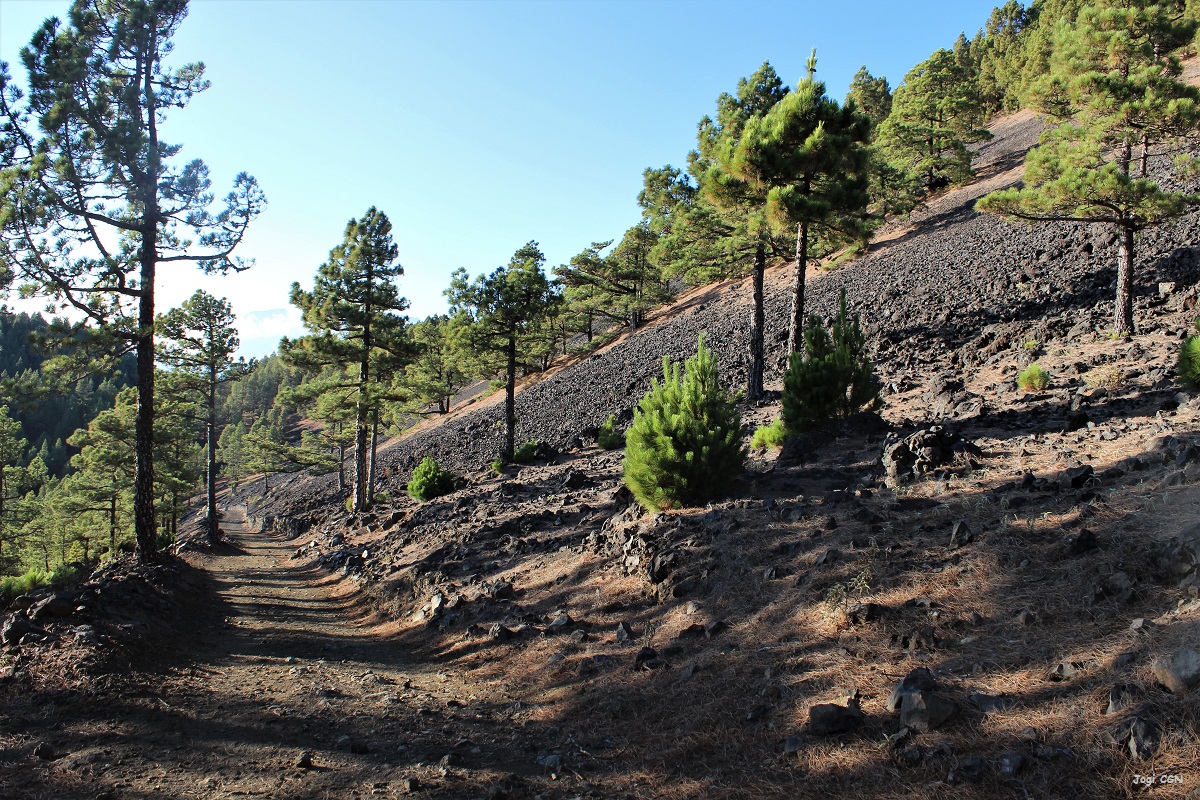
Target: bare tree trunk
[[143, 481], [361, 435], [371, 468], [796, 325], [758, 322], [510, 402], [214, 527], [1123, 311]]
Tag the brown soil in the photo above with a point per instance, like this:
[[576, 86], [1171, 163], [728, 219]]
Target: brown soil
[[273, 658]]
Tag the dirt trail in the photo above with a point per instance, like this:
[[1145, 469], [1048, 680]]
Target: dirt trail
[[278, 658]]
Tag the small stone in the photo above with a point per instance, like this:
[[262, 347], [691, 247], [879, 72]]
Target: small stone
[[304, 760], [625, 632], [1010, 764], [343, 742], [793, 743], [1142, 625], [359, 748], [919, 680], [552, 762], [45, 752], [561, 620], [924, 710], [450, 760], [1120, 696], [647, 658], [961, 534], [499, 632], [970, 769], [827, 719], [1179, 672], [1144, 738], [688, 671], [1066, 670]]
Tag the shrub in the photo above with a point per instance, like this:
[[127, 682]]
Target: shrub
[[1188, 367], [683, 446], [609, 438], [497, 466], [430, 481], [526, 453], [772, 435], [1033, 378], [15, 585], [833, 378]]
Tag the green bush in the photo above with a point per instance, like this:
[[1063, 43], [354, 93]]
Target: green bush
[[1188, 367], [526, 453], [683, 446], [772, 435], [15, 585], [430, 481], [833, 377], [609, 438], [1033, 378]]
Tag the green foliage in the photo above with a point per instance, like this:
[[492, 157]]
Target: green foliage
[[504, 314], [15, 585], [773, 435], [526, 453], [497, 466], [358, 334], [872, 96], [683, 447], [936, 113], [430, 481], [833, 377], [609, 438], [1114, 85], [1188, 365], [1033, 378]]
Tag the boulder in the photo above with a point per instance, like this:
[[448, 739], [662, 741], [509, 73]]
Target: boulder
[[1179, 672]]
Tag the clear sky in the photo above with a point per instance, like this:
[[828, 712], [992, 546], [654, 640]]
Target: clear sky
[[476, 126]]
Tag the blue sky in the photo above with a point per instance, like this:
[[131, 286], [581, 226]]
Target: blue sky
[[476, 126]]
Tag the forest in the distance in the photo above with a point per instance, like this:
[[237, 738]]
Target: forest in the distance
[[119, 413]]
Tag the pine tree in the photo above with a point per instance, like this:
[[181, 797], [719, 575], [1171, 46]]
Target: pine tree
[[701, 240], [936, 113], [684, 446], [1115, 87], [12, 447], [438, 370], [199, 341], [231, 451], [803, 166], [618, 286], [832, 378], [354, 313], [90, 204], [871, 96], [499, 311]]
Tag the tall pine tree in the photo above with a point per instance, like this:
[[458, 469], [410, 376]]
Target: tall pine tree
[[91, 205], [1114, 86], [354, 313]]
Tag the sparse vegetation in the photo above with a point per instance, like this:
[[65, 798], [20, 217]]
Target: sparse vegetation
[[1188, 365], [772, 435], [683, 445], [13, 585], [429, 481], [1033, 378], [526, 453], [609, 438]]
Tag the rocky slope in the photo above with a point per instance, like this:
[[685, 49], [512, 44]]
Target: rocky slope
[[979, 592]]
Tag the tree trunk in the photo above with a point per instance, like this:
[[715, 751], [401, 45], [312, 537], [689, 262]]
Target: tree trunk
[[796, 325], [361, 436], [1123, 311], [143, 481], [112, 525], [341, 467], [758, 322], [214, 527], [371, 468], [510, 402]]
